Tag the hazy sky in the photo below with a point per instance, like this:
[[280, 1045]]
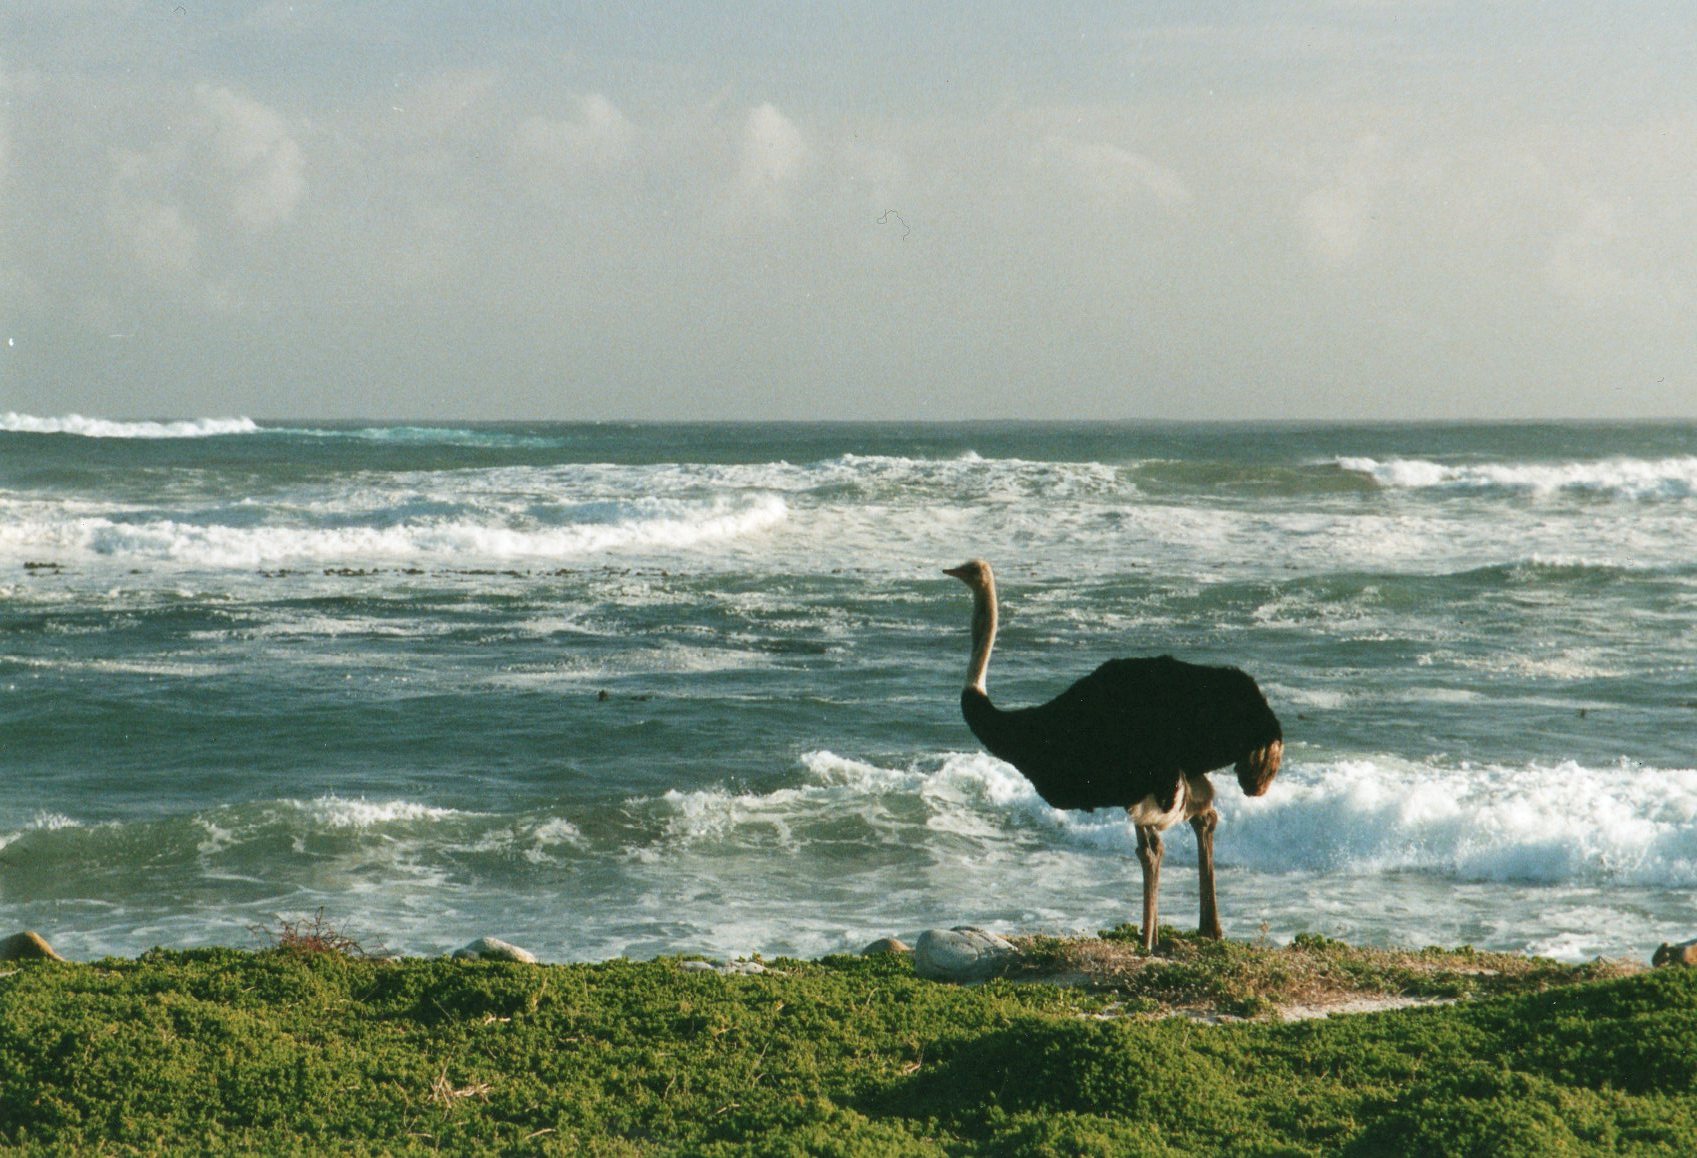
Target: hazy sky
[[1286, 209]]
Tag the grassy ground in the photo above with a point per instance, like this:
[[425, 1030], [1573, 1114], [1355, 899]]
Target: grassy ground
[[282, 1051]]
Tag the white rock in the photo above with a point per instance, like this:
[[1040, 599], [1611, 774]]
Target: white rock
[[960, 954], [724, 968], [494, 949]]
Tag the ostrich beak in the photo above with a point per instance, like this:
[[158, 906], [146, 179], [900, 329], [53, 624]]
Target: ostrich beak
[[1256, 770], [958, 572]]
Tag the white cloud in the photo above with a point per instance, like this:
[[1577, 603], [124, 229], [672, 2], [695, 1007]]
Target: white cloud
[[551, 150], [7, 259], [774, 154], [225, 167], [152, 229], [1339, 218], [5, 121], [1622, 221], [1582, 265], [1109, 174], [261, 165], [1316, 193]]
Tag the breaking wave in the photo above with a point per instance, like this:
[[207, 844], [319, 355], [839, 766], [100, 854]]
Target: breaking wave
[[1625, 478], [78, 424], [1564, 823]]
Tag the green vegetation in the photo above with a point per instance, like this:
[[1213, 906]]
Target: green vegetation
[[292, 1049]]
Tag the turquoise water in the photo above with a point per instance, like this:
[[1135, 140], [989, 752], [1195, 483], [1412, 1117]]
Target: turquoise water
[[606, 689]]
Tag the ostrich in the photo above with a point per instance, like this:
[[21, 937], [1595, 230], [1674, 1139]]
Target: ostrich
[[1139, 734]]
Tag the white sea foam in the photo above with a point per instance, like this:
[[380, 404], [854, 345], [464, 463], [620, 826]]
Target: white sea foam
[[1630, 478], [828, 768], [649, 526], [110, 428], [428, 435], [359, 813], [1557, 824], [50, 822], [1564, 823], [552, 831], [889, 805], [1047, 520], [534, 841], [41, 822]]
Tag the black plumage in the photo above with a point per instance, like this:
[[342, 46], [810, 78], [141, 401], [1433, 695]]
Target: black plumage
[[1139, 734], [1130, 729]]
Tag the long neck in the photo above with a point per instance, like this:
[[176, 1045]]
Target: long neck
[[983, 633]]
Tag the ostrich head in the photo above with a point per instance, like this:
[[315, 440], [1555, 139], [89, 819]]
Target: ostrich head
[[1255, 771], [975, 573]]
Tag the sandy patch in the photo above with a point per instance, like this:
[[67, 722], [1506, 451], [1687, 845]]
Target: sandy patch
[[1298, 1011]]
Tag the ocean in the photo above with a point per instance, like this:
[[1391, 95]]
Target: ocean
[[629, 690]]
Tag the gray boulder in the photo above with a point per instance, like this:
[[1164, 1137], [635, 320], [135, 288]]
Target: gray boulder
[[961, 954], [494, 949], [28, 946], [1684, 953], [885, 945]]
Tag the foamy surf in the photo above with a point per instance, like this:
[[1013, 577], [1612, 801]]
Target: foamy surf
[[1559, 824], [643, 689], [643, 525]]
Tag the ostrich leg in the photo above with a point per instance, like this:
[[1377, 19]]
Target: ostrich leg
[[1204, 823], [1149, 856]]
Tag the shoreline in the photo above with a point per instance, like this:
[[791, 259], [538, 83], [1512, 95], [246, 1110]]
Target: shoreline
[[1081, 1048], [1311, 977]]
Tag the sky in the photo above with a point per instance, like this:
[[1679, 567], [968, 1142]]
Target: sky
[[1260, 209]]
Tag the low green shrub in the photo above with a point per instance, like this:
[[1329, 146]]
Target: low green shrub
[[217, 1050]]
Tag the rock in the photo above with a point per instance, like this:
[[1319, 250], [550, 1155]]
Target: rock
[[725, 968], [494, 949], [1685, 953], [885, 945], [27, 946], [961, 954]]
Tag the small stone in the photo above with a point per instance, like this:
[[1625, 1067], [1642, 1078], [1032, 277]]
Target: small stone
[[28, 946], [698, 967], [1685, 953], [885, 945], [961, 954], [494, 949]]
